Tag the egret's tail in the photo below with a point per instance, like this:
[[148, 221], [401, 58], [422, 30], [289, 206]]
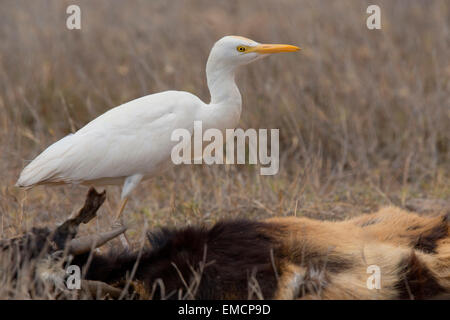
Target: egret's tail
[[45, 168]]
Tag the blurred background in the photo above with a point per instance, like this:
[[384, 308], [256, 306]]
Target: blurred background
[[364, 115]]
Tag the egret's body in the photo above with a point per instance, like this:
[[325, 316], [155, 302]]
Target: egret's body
[[133, 141]]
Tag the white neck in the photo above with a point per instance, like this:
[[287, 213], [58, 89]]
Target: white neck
[[221, 83], [226, 101]]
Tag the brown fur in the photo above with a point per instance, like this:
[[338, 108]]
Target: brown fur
[[277, 258], [295, 258], [412, 252]]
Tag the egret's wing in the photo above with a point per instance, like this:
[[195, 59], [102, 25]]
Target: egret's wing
[[129, 139]]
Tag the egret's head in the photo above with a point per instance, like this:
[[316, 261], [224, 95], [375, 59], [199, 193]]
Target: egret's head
[[235, 51]]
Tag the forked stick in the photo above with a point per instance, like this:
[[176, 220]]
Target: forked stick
[[69, 228]]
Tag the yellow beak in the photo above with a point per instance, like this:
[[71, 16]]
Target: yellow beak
[[273, 48]]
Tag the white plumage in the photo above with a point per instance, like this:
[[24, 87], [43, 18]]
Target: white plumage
[[133, 141]]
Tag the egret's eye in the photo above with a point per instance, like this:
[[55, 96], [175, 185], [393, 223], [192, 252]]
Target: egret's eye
[[241, 48]]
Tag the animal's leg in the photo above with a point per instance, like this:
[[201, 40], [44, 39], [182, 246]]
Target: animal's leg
[[400, 227]]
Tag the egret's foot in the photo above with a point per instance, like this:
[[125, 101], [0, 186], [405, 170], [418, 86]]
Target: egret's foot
[[123, 238], [124, 241]]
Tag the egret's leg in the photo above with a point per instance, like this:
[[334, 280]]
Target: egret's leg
[[130, 183], [123, 203], [119, 223]]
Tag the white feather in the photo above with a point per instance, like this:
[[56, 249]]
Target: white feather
[[131, 138]]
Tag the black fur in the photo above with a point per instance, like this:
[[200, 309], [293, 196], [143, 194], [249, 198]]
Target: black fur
[[231, 251], [416, 281], [25, 249], [427, 241]]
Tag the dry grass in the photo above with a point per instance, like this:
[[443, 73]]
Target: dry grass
[[364, 116]]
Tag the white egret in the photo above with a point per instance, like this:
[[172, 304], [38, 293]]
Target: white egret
[[132, 142]]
